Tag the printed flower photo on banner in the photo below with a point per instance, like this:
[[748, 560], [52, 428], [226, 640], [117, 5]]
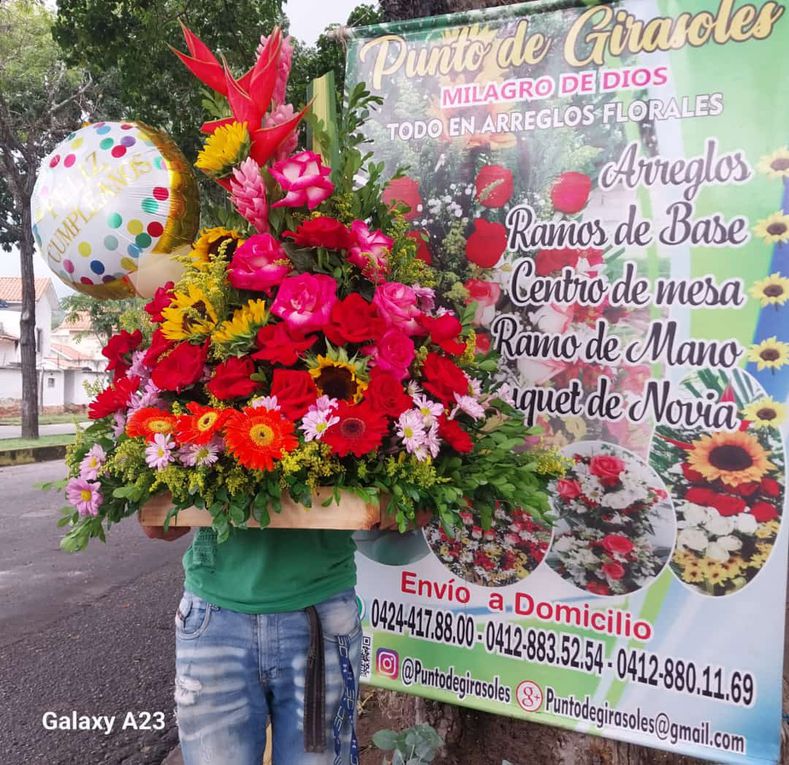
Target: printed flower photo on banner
[[507, 552], [727, 485], [615, 523]]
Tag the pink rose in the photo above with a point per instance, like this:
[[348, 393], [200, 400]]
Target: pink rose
[[607, 468], [259, 264], [369, 251], [568, 489], [304, 179], [304, 302], [614, 570], [485, 295], [393, 353], [397, 306]]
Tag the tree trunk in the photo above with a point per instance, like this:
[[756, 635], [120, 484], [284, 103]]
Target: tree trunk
[[27, 326]]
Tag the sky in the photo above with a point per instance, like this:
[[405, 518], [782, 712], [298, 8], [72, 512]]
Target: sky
[[308, 18]]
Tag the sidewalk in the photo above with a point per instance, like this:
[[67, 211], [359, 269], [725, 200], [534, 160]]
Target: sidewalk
[[58, 428]]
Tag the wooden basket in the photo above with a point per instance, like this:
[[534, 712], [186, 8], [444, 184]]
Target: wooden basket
[[352, 514]]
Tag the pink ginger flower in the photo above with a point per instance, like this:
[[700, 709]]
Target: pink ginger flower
[[85, 495], [283, 70], [304, 179], [248, 194], [282, 114], [369, 251]]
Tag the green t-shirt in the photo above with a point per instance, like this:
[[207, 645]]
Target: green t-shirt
[[262, 571]]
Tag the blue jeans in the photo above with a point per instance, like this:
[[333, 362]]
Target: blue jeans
[[234, 671]]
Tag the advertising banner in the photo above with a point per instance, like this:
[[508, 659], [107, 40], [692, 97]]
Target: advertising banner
[[609, 185]]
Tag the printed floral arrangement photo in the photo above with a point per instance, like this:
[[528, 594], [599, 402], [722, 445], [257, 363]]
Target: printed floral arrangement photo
[[305, 346], [507, 552], [728, 486], [615, 527]]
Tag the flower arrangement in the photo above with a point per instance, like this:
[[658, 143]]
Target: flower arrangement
[[608, 505], [304, 346], [508, 551], [728, 488]]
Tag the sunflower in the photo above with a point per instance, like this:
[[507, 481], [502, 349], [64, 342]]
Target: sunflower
[[149, 421], [773, 290], [257, 437], [337, 376], [214, 242], [200, 426], [765, 413], [734, 458], [225, 148], [774, 229], [237, 333], [189, 315], [690, 567], [769, 354], [775, 165]]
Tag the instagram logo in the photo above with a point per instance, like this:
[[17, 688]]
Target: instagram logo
[[387, 663]]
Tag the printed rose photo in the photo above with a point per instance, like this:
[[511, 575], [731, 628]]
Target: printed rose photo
[[615, 524]]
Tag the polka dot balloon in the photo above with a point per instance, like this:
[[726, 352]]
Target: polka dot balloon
[[112, 204]]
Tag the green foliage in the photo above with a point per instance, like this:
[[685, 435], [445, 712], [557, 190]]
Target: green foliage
[[107, 317], [412, 746]]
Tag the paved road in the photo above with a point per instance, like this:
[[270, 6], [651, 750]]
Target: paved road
[[90, 632], [55, 429]]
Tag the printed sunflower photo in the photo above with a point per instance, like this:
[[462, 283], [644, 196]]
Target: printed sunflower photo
[[774, 229], [772, 290], [727, 486], [771, 353], [775, 165]]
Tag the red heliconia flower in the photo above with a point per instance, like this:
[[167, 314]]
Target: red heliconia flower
[[249, 97]]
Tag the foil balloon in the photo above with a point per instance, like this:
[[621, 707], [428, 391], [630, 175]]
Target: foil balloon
[[114, 205]]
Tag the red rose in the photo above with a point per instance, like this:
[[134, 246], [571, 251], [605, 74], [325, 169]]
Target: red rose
[[385, 393], [422, 250], [493, 186], [617, 544], [353, 320], [550, 261], [443, 378], [568, 489], [279, 345], [723, 503], [295, 391], [607, 468], [747, 489], [771, 487], [593, 257], [487, 244], [119, 349], [114, 398], [321, 232], [570, 192], [160, 300], [614, 570], [404, 191], [764, 512], [454, 435], [482, 342], [393, 352], [598, 588], [181, 367], [444, 331], [483, 293], [232, 379], [692, 475]]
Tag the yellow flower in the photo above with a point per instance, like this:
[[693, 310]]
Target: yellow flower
[[732, 457], [773, 290], [189, 315], [768, 530], [214, 243], [759, 558], [769, 354], [238, 332], [689, 565], [774, 229], [337, 376], [765, 413], [775, 165], [225, 148]]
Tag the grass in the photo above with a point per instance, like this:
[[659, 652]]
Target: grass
[[46, 419], [7, 444]]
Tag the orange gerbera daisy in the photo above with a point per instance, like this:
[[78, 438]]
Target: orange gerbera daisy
[[257, 436], [149, 421], [202, 424], [734, 458]]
